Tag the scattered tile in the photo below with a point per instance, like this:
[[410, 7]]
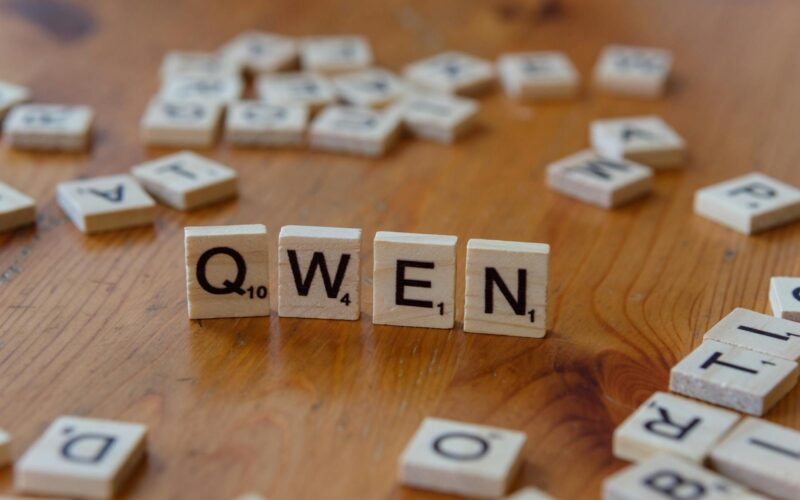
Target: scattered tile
[[306, 89], [439, 118], [452, 72], [48, 127], [633, 71], [372, 87], [758, 332], [335, 54], [260, 52], [642, 139], [784, 297], [181, 123], [538, 75], [222, 89], [355, 130], [260, 124], [16, 209]]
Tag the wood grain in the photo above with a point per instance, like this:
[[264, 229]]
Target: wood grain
[[297, 408]]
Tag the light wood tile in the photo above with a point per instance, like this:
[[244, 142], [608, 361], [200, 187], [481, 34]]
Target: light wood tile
[[261, 52], [306, 89], [260, 124], [439, 117], [529, 493], [10, 95], [16, 209], [222, 89], [182, 62], [452, 72], [181, 123], [758, 332], [355, 130], [538, 75], [633, 71], [372, 87], [784, 297], [48, 127], [335, 54], [642, 139]]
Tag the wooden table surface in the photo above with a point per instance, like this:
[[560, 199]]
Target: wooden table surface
[[313, 409]]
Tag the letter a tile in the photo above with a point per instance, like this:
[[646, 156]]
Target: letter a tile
[[81, 457], [506, 292], [106, 203]]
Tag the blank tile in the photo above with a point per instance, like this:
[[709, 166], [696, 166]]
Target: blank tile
[[260, 124], [439, 117], [666, 423], [452, 72], [758, 332], [319, 272], [669, 477], [186, 180], [181, 123], [784, 297], [106, 203], [5, 448], [16, 209], [48, 127], [642, 139], [227, 271], [538, 75], [11, 95], [414, 279], [215, 88], [506, 291], [750, 203], [355, 130], [306, 89], [335, 54], [460, 458], [179, 62], [261, 52], [633, 71], [763, 456], [600, 181], [733, 377], [373, 87], [81, 457]]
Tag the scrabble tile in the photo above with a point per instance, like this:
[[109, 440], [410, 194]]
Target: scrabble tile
[[181, 123], [600, 181], [538, 75], [216, 88], [11, 95], [460, 458], [334, 54], [733, 377], [452, 72], [179, 62], [319, 272], [506, 291], [439, 118], [529, 493], [260, 124], [758, 332], [5, 448], [784, 297], [355, 130], [669, 477], [374, 87], [750, 203], [260, 52], [633, 71], [666, 423], [414, 280], [251, 496], [642, 139], [186, 180], [763, 456], [16, 209], [49, 127], [81, 457], [106, 203], [306, 89], [227, 271]]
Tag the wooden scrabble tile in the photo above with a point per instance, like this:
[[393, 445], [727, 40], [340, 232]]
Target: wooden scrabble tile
[[181, 123], [452, 72], [306, 89], [734, 377], [251, 496], [227, 271], [319, 272], [16, 209], [216, 88], [355, 130], [669, 477], [439, 118], [11, 95], [260, 52], [642, 139], [633, 71], [464, 459], [106, 203], [179, 62], [529, 493], [758, 332], [784, 297], [334, 54], [666, 423], [763, 456], [81, 457], [600, 181], [49, 127], [538, 75], [260, 124], [374, 87], [414, 280], [5, 448], [186, 180], [506, 291], [750, 203]]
